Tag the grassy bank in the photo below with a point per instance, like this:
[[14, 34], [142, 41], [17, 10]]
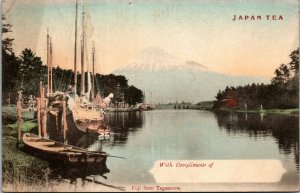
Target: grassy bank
[[284, 111], [9, 114], [24, 172], [20, 169], [208, 105]]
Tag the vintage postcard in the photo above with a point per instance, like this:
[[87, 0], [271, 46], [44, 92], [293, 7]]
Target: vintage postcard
[[150, 95]]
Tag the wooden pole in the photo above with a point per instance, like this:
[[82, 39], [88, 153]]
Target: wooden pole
[[82, 54], [41, 107], [43, 112], [39, 116], [44, 119], [75, 50], [65, 120], [48, 63], [19, 112], [93, 76], [50, 70], [82, 71], [41, 89]]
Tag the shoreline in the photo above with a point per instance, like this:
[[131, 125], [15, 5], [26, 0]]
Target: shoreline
[[294, 112]]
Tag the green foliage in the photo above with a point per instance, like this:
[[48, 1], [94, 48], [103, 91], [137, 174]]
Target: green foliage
[[26, 126], [62, 78], [117, 84], [10, 63], [283, 92], [10, 66], [133, 95], [106, 84], [295, 61], [282, 74], [10, 112], [6, 41], [31, 73]]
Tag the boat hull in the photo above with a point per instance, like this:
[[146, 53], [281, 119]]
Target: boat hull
[[52, 150]]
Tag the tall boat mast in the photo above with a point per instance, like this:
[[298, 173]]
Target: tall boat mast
[[49, 64], [89, 81], [82, 54], [82, 70], [93, 74], [75, 51], [51, 60]]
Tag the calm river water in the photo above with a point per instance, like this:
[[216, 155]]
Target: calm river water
[[144, 137]]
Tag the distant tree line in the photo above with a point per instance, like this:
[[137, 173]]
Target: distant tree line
[[24, 73], [282, 92]]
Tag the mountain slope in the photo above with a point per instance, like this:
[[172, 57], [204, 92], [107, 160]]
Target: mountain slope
[[171, 79], [155, 59]]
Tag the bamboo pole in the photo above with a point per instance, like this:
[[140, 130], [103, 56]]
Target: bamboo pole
[[19, 112], [65, 120], [39, 116]]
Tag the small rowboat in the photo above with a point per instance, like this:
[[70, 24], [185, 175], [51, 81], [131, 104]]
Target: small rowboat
[[49, 149], [104, 134], [100, 130]]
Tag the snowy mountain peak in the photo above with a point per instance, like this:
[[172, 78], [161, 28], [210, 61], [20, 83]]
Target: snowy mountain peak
[[172, 79], [156, 59]]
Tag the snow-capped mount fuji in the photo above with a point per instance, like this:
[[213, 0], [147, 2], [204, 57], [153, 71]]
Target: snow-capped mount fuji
[[156, 59], [171, 79]]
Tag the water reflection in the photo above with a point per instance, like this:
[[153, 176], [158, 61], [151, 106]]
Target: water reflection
[[81, 175], [74, 172], [121, 123], [145, 137], [285, 129], [125, 120]]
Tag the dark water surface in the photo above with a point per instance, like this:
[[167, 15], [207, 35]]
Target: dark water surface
[[144, 137]]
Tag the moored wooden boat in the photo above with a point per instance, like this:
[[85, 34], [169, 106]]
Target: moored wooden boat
[[87, 119], [66, 111], [54, 150]]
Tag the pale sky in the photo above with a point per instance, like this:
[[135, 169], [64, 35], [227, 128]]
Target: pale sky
[[200, 31]]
